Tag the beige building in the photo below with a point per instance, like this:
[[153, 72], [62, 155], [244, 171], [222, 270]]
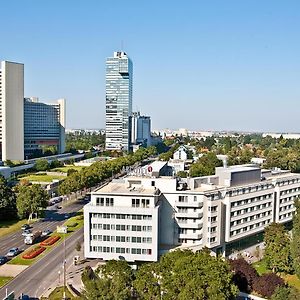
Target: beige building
[[12, 110]]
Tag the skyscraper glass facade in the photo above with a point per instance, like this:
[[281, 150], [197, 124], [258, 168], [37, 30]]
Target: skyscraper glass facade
[[119, 72]]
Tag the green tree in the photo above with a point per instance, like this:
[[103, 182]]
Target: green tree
[[42, 165], [295, 243], [277, 248], [8, 209], [286, 293], [30, 199], [205, 165], [113, 282]]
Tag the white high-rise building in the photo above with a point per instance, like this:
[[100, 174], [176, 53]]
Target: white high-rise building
[[12, 110], [119, 71]]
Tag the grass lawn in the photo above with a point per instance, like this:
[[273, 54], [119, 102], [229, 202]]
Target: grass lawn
[[292, 280], [57, 294], [261, 267], [7, 227], [78, 220], [42, 177], [68, 167], [4, 280]]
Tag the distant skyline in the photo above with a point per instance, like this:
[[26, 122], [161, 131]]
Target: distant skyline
[[201, 65]]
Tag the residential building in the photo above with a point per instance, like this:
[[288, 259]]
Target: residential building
[[223, 212], [140, 129], [119, 72], [26, 125]]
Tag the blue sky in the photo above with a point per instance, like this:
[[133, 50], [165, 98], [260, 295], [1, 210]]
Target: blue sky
[[202, 65]]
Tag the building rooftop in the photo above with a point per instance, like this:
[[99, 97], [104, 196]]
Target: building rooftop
[[125, 188]]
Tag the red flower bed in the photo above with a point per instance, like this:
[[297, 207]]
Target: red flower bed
[[33, 252], [50, 240]]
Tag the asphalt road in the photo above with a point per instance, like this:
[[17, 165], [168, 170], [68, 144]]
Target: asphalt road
[[53, 217], [39, 276]]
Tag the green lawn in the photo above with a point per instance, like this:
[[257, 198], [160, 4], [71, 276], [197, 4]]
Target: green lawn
[[57, 294], [292, 280], [68, 167], [78, 220], [7, 227], [260, 267], [42, 177], [4, 280]]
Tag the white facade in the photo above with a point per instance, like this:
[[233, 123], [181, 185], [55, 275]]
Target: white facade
[[119, 72], [11, 110], [214, 211], [180, 153]]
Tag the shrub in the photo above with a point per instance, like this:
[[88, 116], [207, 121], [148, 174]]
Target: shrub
[[244, 274], [33, 252], [74, 224], [50, 240], [266, 284]]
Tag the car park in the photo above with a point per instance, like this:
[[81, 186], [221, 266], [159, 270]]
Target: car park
[[3, 260], [13, 252], [25, 226]]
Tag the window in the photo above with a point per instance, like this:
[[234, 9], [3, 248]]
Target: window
[[135, 202], [145, 203]]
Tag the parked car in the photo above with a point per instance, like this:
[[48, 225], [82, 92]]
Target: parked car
[[25, 226], [46, 232], [3, 260], [26, 232], [13, 252]]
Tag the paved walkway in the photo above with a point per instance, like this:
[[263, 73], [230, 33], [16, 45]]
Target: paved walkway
[[7, 270]]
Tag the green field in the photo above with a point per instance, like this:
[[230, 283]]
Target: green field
[[261, 267], [68, 167], [7, 227], [42, 177], [57, 294], [78, 219], [4, 280]]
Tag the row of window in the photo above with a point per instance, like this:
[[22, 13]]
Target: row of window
[[185, 198], [251, 218], [287, 199], [122, 227], [250, 209], [120, 250], [249, 190], [104, 201], [121, 239], [250, 200], [187, 210], [290, 191], [247, 228], [283, 208], [186, 231], [287, 215], [288, 182], [121, 216], [145, 203]]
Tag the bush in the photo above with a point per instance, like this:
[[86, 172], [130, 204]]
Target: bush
[[50, 240], [33, 252], [266, 284], [244, 274], [74, 224]]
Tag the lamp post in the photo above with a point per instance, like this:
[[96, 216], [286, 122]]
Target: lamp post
[[64, 266]]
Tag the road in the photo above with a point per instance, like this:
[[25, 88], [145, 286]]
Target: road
[[53, 217], [39, 276]]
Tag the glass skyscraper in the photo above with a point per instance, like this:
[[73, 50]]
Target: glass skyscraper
[[119, 71]]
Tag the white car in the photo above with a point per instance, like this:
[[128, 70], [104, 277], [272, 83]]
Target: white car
[[46, 232], [26, 232], [13, 252]]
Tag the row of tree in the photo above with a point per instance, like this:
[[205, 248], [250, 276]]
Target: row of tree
[[282, 251], [22, 201], [178, 275], [83, 141], [99, 171]]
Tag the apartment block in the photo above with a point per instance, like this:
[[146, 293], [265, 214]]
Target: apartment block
[[221, 212]]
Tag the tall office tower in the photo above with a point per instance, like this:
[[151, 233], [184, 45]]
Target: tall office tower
[[44, 125], [119, 71], [12, 111], [140, 129]]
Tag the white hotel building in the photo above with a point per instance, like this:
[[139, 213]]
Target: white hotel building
[[137, 218]]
